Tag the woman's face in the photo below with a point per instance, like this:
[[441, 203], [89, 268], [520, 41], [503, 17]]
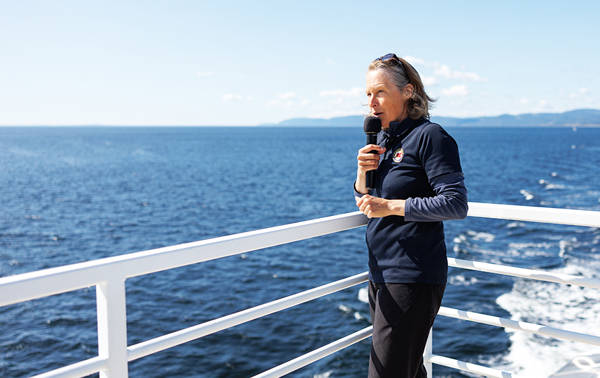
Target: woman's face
[[386, 100]]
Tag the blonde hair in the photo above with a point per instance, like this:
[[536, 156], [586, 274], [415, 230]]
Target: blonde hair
[[403, 73]]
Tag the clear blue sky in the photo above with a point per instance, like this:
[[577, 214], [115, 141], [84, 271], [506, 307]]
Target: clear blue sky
[[245, 63]]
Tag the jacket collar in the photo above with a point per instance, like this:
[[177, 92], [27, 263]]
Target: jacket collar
[[399, 129]]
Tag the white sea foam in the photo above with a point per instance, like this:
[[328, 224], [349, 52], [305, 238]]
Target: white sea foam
[[564, 247], [522, 250], [363, 294], [515, 224], [528, 196], [485, 236], [344, 308], [459, 239], [326, 374], [470, 242], [460, 280], [561, 306], [549, 186]]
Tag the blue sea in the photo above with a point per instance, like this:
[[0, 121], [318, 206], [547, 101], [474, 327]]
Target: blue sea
[[72, 194]]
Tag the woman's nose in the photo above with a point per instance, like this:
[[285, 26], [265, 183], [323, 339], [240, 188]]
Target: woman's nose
[[372, 102]]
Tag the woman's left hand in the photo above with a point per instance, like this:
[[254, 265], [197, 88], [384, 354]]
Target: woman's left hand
[[375, 207]]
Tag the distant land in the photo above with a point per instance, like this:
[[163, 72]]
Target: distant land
[[572, 118]]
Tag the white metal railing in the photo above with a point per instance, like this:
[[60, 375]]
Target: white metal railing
[[109, 275]]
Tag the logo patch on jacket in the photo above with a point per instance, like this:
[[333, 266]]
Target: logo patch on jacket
[[398, 155]]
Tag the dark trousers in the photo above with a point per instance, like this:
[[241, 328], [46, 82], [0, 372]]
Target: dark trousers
[[402, 315]]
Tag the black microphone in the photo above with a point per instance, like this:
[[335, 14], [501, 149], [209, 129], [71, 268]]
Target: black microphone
[[372, 126]]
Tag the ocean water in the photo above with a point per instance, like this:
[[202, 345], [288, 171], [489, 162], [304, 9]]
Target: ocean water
[[73, 194]]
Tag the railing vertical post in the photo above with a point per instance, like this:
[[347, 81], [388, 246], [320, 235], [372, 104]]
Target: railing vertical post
[[428, 354], [112, 327]]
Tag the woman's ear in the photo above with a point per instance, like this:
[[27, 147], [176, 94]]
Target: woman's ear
[[408, 91]]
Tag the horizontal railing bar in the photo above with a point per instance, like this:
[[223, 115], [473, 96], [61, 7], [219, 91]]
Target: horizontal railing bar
[[537, 329], [535, 214], [469, 367], [188, 334], [316, 354], [79, 369], [51, 281], [539, 275]]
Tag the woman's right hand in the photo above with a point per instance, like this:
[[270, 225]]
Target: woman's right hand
[[368, 161]]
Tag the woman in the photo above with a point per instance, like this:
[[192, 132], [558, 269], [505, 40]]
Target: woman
[[418, 184]]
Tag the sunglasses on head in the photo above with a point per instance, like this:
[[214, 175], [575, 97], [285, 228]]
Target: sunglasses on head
[[390, 56], [393, 58]]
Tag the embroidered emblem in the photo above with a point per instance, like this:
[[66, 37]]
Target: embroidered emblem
[[398, 155]]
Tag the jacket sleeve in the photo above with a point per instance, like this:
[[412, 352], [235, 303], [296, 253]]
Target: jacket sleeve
[[358, 194], [450, 201]]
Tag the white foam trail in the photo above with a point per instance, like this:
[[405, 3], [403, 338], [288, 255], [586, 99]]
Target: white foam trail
[[485, 236], [563, 245], [528, 196], [460, 238], [460, 280], [326, 374], [343, 308], [515, 224], [532, 249], [566, 307], [549, 186], [363, 294]]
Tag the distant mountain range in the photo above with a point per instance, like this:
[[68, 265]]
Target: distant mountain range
[[573, 118]]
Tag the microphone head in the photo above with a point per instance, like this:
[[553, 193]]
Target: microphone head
[[372, 125]]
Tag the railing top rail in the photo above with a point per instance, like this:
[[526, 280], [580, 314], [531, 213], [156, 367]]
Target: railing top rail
[[554, 215], [27, 286], [532, 274], [538, 329]]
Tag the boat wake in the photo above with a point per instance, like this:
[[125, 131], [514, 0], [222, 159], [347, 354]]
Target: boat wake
[[562, 306]]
